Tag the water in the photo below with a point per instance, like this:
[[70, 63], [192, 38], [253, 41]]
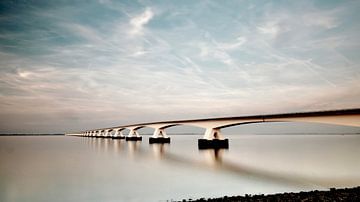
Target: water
[[57, 168]]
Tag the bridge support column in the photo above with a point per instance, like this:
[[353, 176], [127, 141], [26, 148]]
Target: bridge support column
[[118, 134], [133, 136], [103, 134], [213, 140], [159, 136], [107, 133], [100, 135]]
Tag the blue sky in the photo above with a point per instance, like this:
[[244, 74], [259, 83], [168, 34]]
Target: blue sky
[[68, 66]]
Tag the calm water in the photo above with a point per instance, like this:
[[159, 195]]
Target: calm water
[[60, 168]]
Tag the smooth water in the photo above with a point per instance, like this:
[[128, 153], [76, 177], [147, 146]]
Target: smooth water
[[62, 168]]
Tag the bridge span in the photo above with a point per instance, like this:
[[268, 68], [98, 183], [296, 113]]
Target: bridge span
[[213, 137]]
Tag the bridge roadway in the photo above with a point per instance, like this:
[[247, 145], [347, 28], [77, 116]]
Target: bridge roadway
[[213, 137]]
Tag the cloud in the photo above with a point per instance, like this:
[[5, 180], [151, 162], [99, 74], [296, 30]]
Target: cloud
[[326, 20], [76, 73], [270, 28], [231, 46], [213, 49], [138, 22], [84, 31]]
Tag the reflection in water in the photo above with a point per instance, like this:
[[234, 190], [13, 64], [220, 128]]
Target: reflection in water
[[97, 167], [133, 147], [98, 145], [101, 145], [159, 150], [117, 145], [106, 143], [214, 159], [213, 156]]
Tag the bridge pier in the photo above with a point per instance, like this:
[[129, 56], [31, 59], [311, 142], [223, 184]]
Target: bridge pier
[[103, 134], [106, 133], [118, 134], [213, 140], [159, 136], [99, 135], [133, 136]]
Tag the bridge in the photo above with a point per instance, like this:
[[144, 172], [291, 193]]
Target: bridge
[[213, 137]]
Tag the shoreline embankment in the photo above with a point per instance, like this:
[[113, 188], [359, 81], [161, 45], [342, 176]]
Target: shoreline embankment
[[343, 194]]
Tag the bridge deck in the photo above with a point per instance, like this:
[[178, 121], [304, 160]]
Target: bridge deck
[[342, 112]]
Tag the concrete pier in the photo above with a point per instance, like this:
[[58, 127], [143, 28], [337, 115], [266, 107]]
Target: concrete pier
[[213, 144], [154, 140], [133, 138]]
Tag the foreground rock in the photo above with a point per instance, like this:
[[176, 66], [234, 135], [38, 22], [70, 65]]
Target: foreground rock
[[347, 194]]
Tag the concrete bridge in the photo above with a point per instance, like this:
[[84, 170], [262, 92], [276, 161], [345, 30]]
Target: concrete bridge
[[213, 137]]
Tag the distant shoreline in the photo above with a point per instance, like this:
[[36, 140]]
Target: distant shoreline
[[343, 194], [149, 134], [198, 134], [31, 134]]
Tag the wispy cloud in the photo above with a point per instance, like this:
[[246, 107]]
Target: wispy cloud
[[138, 22], [270, 28], [130, 62], [231, 46]]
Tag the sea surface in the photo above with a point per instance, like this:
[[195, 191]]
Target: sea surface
[[64, 168]]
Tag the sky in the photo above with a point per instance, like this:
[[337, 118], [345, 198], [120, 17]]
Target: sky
[[67, 66]]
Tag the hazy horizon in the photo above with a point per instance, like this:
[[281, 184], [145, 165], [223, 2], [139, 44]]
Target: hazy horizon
[[73, 66]]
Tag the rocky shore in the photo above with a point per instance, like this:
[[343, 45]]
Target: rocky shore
[[346, 194]]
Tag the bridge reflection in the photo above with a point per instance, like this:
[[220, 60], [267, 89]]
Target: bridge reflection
[[133, 147], [213, 157], [207, 159], [159, 150]]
